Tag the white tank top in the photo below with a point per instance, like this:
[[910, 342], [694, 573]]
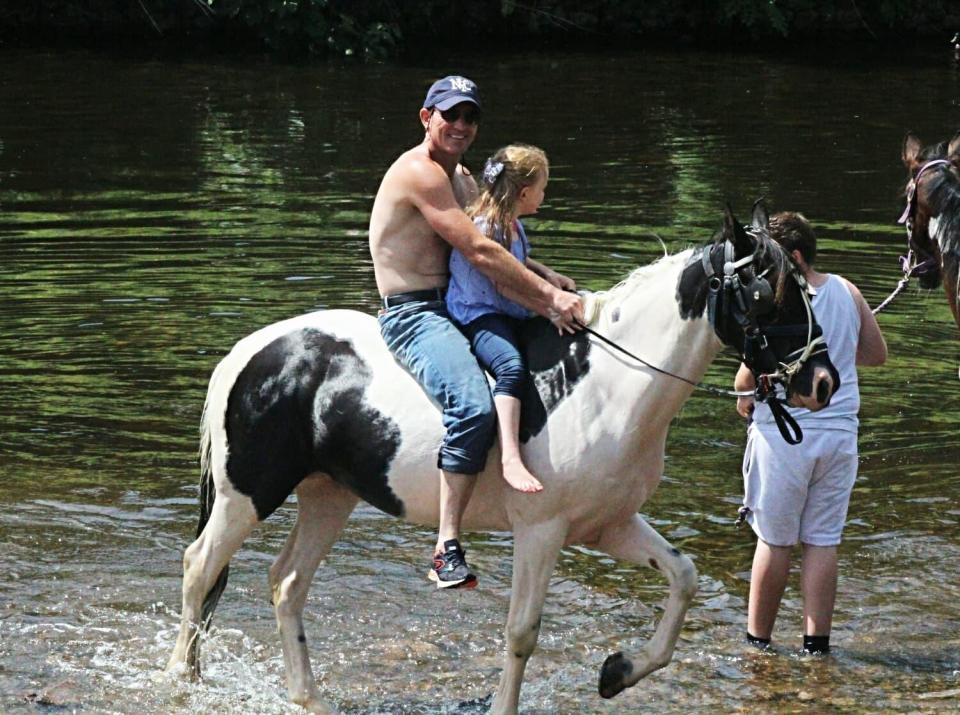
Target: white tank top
[[839, 317]]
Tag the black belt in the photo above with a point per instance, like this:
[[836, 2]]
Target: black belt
[[414, 296]]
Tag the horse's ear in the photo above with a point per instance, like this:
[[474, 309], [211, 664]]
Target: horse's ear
[[733, 231], [761, 218], [953, 150], [911, 152]]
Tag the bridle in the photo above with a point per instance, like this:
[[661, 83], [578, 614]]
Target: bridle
[[908, 263], [741, 296], [910, 268]]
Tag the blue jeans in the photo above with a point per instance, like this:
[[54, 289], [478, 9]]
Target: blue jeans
[[494, 340], [427, 343]]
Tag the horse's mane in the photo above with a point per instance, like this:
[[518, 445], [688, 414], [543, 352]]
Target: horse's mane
[[944, 192], [613, 296], [768, 252], [771, 253]]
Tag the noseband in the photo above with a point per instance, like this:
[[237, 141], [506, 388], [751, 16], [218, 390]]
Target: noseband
[[742, 298]]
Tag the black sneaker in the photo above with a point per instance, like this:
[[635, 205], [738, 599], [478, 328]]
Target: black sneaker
[[450, 568]]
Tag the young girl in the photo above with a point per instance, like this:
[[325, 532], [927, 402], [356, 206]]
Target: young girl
[[512, 185]]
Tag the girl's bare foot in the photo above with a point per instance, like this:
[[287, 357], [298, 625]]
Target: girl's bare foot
[[519, 477]]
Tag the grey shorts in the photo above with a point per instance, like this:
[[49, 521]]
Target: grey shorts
[[799, 493]]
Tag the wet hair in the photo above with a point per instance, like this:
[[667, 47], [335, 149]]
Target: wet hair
[[504, 176], [792, 231]]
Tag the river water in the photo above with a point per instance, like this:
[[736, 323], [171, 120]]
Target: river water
[[152, 212]]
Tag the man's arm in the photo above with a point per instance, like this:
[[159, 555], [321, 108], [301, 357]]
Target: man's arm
[[871, 347], [433, 196]]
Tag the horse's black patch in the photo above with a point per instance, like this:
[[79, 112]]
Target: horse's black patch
[[692, 288], [298, 407], [556, 363]]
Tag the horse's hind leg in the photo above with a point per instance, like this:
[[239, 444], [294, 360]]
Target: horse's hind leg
[[232, 518], [635, 540], [535, 551], [323, 508]]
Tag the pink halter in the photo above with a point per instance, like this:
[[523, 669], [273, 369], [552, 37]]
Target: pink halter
[[912, 189]]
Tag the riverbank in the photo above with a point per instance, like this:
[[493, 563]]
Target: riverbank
[[304, 29]]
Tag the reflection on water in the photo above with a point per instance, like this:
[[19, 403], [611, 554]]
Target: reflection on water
[[152, 213]]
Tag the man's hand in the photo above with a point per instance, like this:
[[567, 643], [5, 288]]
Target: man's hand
[[566, 311], [745, 406]]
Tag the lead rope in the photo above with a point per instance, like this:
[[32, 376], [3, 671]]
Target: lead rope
[[908, 272]]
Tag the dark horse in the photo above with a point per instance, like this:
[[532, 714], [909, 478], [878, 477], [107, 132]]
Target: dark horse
[[932, 215], [318, 406]]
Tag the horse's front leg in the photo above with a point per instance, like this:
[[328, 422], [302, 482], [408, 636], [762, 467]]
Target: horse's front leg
[[635, 540], [535, 551]]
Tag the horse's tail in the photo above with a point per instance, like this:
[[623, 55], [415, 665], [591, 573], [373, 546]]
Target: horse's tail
[[208, 494]]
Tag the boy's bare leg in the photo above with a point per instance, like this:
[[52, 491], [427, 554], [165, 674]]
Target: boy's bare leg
[[818, 583], [768, 579], [508, 424]]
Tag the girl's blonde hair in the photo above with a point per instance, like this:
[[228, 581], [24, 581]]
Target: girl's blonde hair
[[505, 174]]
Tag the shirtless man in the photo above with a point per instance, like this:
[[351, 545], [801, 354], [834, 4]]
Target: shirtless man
[[417, 217]]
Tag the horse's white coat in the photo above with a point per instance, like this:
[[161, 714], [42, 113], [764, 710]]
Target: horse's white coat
[[600, 456]]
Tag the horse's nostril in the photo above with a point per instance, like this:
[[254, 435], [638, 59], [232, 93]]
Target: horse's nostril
[[823, 391]]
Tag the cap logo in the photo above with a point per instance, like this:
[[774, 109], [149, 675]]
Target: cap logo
[[461, 84]]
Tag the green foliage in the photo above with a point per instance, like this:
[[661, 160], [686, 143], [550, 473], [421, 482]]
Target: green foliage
[[311, 27], [382, 28], [757, 14]]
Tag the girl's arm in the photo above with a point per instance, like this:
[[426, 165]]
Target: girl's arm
[[551, 276]]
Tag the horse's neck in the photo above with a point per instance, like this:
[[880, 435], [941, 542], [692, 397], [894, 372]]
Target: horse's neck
[[643, 316]]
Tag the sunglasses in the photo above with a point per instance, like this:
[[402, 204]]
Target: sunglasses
[[470, 115]]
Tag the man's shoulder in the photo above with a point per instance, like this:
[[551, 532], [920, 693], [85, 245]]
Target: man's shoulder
[[416, 161], [415, 171]]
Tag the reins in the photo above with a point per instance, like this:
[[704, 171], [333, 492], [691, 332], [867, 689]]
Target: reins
[[696, 385], [789, 428]]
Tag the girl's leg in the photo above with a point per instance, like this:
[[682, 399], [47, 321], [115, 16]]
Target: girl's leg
[[495, 345], [508, 423]]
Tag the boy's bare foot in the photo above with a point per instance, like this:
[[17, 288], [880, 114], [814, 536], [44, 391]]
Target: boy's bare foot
[[519, 477]]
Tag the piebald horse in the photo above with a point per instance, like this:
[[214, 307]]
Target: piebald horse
[[317, 405], [932, 214]]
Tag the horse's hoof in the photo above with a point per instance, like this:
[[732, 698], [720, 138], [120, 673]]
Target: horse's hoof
[[178, 670], [316, 705], [613, 674]]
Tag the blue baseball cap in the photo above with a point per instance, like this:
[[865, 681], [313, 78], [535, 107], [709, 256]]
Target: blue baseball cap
[[450, 91]]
